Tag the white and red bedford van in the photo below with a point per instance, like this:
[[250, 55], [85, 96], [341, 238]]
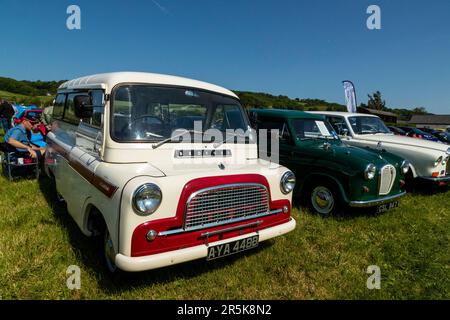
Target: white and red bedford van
[[131, 155]]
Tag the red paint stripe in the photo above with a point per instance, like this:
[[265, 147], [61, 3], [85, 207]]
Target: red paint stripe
[[99, 183]]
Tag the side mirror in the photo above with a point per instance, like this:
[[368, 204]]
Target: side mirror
[[344, 132], [83, 106]]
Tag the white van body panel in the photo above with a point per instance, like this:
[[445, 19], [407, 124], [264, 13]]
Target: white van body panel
[[93, 170]]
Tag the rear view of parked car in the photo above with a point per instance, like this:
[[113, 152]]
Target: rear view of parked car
[[330, 174]]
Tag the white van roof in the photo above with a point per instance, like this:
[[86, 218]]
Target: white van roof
[[108, 80]]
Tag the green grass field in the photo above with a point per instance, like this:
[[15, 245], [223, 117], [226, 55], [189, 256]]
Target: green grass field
[[321, 259], [19, 98]]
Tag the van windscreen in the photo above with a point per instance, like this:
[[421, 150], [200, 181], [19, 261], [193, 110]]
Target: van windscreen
[[153, 113]]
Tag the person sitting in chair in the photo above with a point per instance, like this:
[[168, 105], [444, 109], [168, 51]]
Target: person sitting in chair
[[37, 135], [17, 137]]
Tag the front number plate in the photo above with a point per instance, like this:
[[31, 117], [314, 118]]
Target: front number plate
[[387, 206], [226, 249]]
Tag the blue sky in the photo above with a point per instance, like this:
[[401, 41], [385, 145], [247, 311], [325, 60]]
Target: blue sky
[[297, 48]]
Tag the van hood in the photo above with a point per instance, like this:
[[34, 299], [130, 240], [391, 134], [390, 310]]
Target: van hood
[[356, 157], [216, 167], [402, 140]]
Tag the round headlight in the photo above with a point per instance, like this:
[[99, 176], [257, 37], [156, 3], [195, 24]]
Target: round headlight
[[146, 199], [445, 161], [405, 166], [287, 182], [438, 160], [370, 171]]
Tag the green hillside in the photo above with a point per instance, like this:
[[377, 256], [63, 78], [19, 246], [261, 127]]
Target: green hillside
[[29, 88], [40, 101], [260, 99], [40, 93]]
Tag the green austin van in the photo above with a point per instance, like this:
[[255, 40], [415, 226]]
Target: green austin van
[[330, 174]]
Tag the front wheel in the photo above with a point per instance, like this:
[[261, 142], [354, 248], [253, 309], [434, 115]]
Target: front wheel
[[324, 199], [109, 253]]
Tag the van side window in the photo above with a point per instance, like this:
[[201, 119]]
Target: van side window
[[58, 108], [69, 114], [276, 124], [99, 107]]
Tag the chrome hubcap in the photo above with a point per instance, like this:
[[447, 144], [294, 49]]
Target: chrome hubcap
[[322, 200]]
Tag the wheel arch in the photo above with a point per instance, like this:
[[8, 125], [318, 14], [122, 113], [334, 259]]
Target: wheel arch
[[412, 169], [311, 180], [94, 220]]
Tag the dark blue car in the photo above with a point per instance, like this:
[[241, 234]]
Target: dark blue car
[[417, 133]]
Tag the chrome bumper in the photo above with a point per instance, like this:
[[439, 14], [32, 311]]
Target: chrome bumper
[[169, 258], [376, 202], [437, 179]]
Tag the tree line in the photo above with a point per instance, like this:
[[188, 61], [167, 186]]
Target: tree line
[[42, 92], [265, 100], [29, 88]]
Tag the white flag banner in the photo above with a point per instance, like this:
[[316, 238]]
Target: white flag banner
[[350, 96]]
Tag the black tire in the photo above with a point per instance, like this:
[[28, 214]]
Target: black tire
[[103, 243], [108, 252], [409, 182]]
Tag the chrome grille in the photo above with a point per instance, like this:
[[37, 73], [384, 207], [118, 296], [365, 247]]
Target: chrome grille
[[387, 178], [225, 204]]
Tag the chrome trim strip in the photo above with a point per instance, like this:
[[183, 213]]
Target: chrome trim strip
[[248, 225], [194, 194], [371, 203], [181, 230]]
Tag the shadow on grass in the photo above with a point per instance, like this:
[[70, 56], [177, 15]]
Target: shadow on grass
[[88, 250], [343, 213], [427, 189], [347, 213]]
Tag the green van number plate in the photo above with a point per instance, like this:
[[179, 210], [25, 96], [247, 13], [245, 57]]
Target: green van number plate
[[387, 206]]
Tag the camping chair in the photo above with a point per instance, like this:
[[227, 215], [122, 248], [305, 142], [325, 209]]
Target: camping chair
[[25, 111], [18, 163]]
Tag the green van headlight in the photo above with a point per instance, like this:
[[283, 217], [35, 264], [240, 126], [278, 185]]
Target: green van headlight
[[369, 172]]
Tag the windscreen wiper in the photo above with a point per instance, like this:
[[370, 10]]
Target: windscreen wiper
[[156, 145], [233, 135]]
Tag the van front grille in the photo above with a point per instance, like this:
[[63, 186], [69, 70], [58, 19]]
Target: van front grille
[[387, 178], [225, 204]]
